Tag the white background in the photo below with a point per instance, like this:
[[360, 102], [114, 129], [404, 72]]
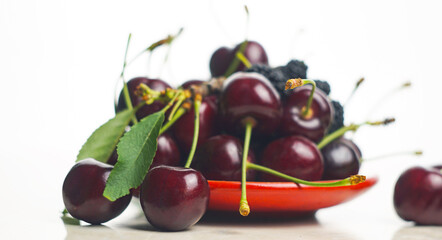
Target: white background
[[59, 62]]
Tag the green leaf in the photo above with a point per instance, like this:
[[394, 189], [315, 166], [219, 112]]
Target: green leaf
[[135, 154], [102, 142]]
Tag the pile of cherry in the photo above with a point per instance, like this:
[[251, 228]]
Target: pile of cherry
[[297, 133]]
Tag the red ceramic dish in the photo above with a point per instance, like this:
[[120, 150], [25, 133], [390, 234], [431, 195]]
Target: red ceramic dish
[[281, 197]]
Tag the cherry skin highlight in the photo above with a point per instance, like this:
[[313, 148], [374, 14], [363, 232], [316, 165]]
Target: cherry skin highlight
[[313, 126], [341, 159], [295, 156], [83, 193], [222, 58], [250, 95], [174, 198], [220, 158], [154, 84], [418, 195]]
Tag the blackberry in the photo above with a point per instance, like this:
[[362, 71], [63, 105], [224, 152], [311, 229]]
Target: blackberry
[[323, 85], [338, 118], [295, 69], [276, 77]]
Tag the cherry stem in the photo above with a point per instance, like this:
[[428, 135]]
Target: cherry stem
[[168, 40], [235, 63], [352, 180], [175, 108], [247, 21], [180, 112], [125, 88], [352, 127], [244, 60], [358, 83], [170, 103], [244, 208], [196, 129], [298, 82], [306, 111], [416, 153]]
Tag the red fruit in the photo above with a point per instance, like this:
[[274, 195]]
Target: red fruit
[[83, 193], [418, 195], [174, 198], [295, 156]]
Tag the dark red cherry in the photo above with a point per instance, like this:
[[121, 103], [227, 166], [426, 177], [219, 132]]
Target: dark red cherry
[[418, 195], [154, 84], [220, 158], [187, 84], [167, 153], [174, 198], [313, 126], [250, 95], [222, 58], [341, 159], [295, 156], [83, 193], [184, 127]]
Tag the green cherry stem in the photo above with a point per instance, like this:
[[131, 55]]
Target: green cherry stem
[[197, 104], [125, 88], [243, 59], [244, 208], [358, 83], [168, 40], [352, 127], [394, 154], [352, 180], [298, 82], [180, 112], [235, 63]]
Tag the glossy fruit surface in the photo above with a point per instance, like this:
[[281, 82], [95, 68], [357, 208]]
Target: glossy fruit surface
[[248, 95], [154, 84], [220, 158], [222, 57], [418, 195], [83, 193], [174, 198], [183, 129], [341, 159], [313, 126], [295, 156]]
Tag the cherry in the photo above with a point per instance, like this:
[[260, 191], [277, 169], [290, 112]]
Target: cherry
[[313, 125], [83, 193], [167, 153], [220, 159], [295, 156], [418, 195], [249, 101], [184, 127], [341, 159], [223, 57], [174, 198], [154, 84], [250, 95]]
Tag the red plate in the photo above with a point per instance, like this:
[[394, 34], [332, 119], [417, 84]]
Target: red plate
[[281, 197]]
